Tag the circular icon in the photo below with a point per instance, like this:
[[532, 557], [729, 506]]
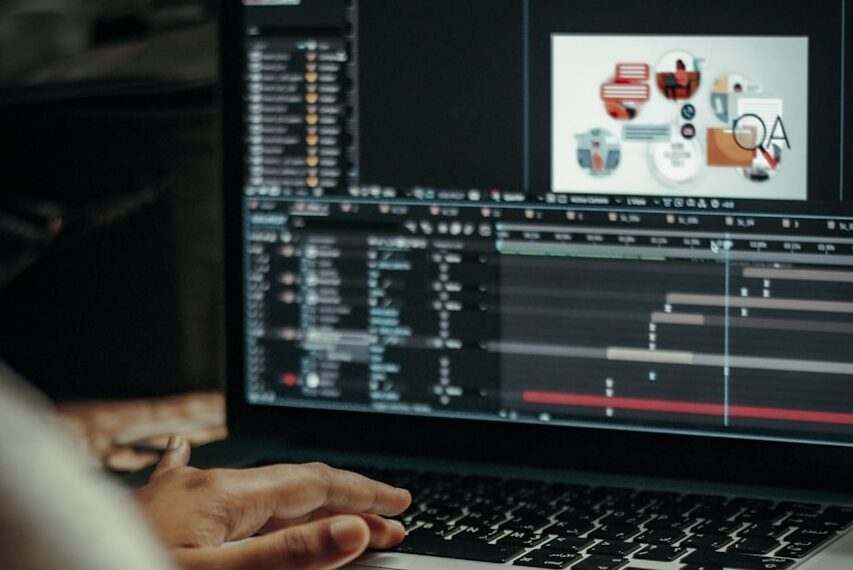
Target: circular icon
[[598, 152], [750, 134], [677, 75], [725, 89], [688, 131], [676, 161], [688, 112], [749, 131], [765, 165], [625, 92], [623, 110]]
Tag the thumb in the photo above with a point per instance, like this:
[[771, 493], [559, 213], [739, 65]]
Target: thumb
[[321, 545], [177, 454]]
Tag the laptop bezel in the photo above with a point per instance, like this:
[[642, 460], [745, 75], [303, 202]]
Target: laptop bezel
[[819, 467]]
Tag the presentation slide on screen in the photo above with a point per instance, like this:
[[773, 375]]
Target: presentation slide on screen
[[704, 116]]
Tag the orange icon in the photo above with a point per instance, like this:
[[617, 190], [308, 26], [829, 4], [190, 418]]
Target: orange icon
[[723, 150]]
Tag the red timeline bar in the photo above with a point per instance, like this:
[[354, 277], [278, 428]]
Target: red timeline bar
[[678, 407]]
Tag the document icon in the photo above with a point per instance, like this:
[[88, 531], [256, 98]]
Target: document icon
[[723, 150]]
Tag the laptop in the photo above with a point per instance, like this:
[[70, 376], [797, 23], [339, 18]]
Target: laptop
[[578, 274]]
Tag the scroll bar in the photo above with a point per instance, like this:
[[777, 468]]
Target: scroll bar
[[525, 112], [726, 324]]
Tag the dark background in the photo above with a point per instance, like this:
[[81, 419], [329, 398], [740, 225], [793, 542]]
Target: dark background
[[110, 232], [444, 107]]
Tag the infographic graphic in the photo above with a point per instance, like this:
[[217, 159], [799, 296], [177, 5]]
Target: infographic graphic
[[703, 116]]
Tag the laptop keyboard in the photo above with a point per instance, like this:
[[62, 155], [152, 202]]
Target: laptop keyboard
[[558, 525]]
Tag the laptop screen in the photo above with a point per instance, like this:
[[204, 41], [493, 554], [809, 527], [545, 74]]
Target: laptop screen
[[616, 214]]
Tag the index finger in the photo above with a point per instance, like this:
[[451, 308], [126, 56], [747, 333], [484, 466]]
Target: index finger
[[290, 491]]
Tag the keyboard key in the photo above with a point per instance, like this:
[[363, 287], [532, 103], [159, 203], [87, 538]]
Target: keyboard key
[[660, 536], [751, 504], [567, 490], [797, 549], [461, 549], [716, 527], [614, 548], [432, 529], [631, 504], [714, 513], [671, 509], [537, 511], [659, 496], [527, 523], [481, 519], [477, 534], [616, 532], [522, 538], [763, 531], [660, 553], [570, 528], [486, 517], [813, 520], [796, 507], [434, 514], [524, 488], [576, 514], [759, 516], [809, 535], [568, 543], [606, 493], [754, 545], [485, 509], [695, 499], [445, 503], [623, 517], [738, 561], [671, 521], [843, 515], [546, 559], [712, 541], [595, 562]]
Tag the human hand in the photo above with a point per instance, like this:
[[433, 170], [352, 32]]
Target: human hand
[[308, 517]]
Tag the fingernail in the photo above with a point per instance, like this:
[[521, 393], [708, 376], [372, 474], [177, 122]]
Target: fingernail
[[174, 442], [348, 533], [399, 525]]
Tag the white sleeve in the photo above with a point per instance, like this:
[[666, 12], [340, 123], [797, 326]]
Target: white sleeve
[[56, 511]]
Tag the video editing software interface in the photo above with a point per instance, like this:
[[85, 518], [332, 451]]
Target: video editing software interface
[[619, 214]]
